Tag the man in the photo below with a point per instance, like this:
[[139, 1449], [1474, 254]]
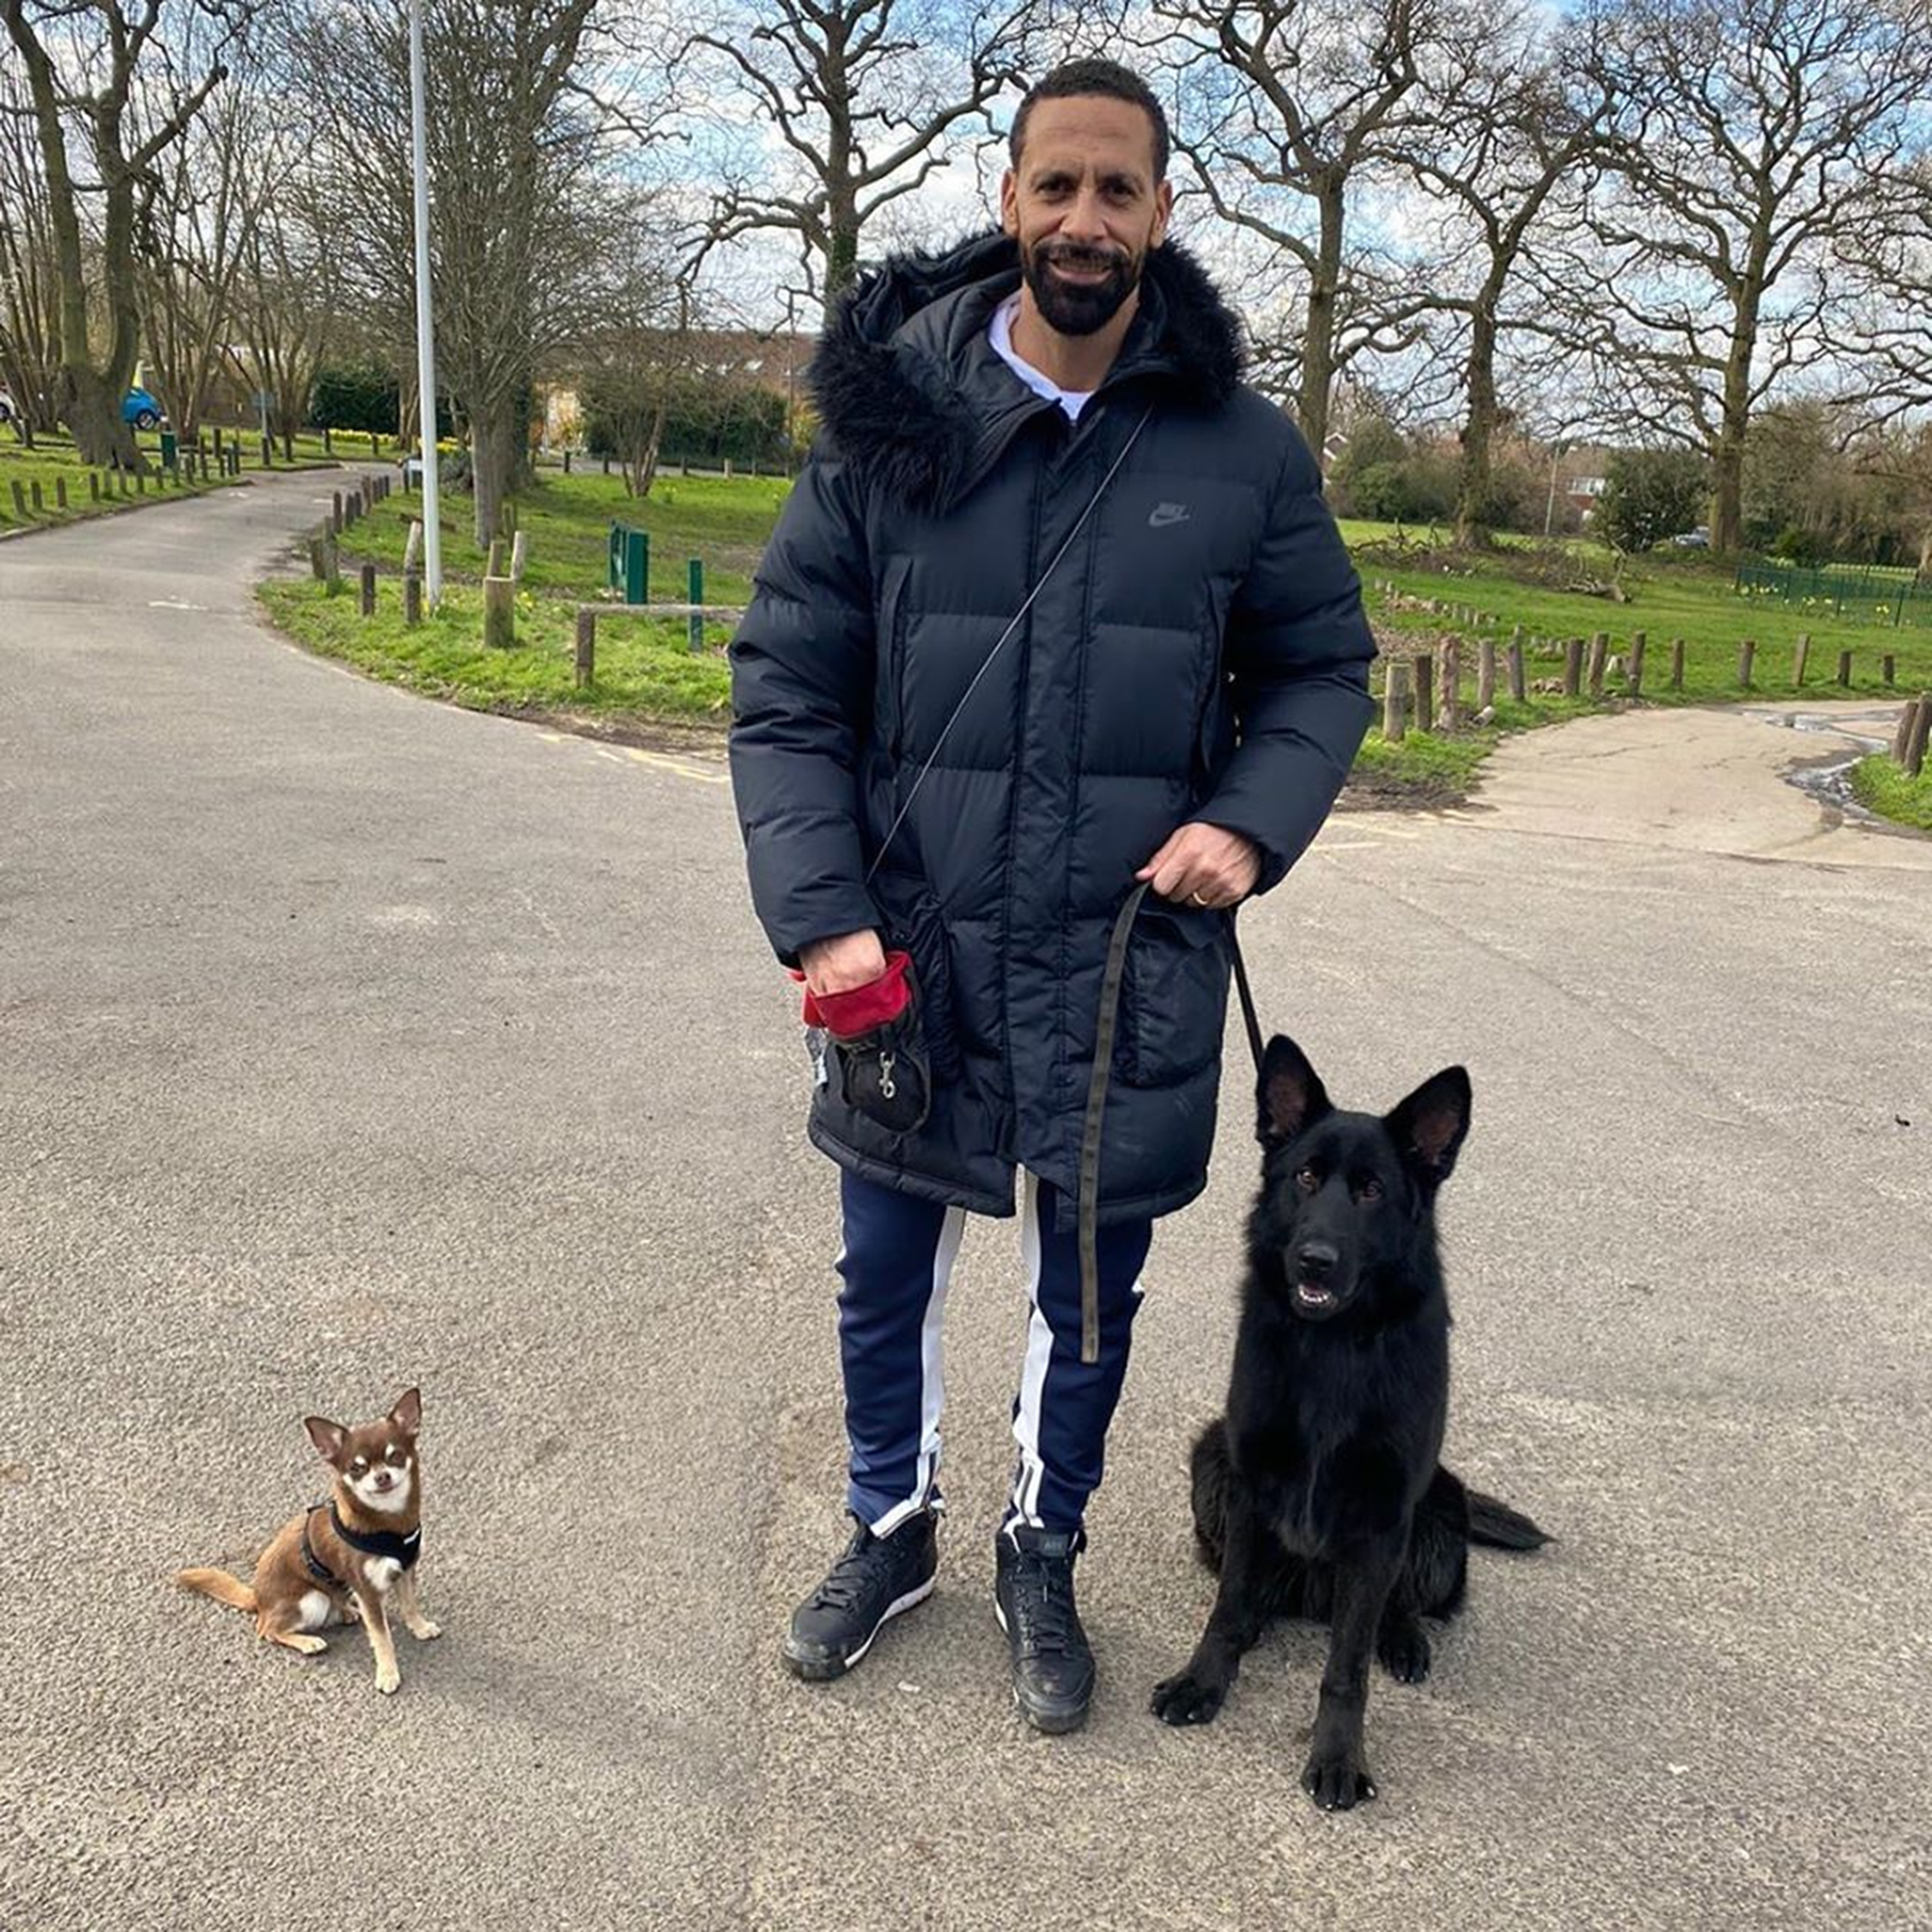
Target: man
[[1056, 607]]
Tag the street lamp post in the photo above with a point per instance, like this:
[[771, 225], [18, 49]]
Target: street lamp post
[[425, 330]]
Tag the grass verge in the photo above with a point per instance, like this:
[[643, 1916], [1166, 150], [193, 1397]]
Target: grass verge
[[646, 672], [1881, 786]]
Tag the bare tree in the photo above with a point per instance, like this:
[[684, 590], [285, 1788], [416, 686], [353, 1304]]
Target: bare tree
[[862, 96], [520, 218], [289, 301], [197, 229], [1290, 110], [1749, 133], [82, 59], [1508, 127], [29, 270]]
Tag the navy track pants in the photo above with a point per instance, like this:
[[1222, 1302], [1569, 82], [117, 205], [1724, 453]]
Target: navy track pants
[[896, 1262]]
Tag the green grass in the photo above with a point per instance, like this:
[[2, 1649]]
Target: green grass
[[645, 669], [54, 459], [1881, 786], [566, 523]]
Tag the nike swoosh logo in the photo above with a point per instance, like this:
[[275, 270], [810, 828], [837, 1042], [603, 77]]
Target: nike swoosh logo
[[1162, 514]]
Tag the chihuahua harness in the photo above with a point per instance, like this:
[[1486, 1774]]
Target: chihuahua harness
[[400, 1550]]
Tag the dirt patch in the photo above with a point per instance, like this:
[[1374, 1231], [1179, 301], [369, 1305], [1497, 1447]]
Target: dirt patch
[[1380, 791]]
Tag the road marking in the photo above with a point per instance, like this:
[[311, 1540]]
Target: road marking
[[660, 761], [172, 603]]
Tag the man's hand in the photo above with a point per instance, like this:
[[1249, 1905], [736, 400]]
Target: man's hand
[[1203, 865], [843, 965]]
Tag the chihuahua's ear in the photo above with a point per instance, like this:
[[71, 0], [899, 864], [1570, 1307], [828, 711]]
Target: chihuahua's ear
[[407, 1415], [330, 1438]]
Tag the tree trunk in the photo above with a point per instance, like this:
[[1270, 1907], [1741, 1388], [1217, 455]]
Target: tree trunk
[[495, 461], [640, 461], [1727, 454], [1479, 432], [1318, 348]]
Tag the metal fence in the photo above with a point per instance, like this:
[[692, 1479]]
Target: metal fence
[[1866, 595]]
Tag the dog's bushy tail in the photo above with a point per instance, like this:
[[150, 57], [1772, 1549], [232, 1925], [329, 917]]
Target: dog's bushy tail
[[1502, 1527], [218, 1585]]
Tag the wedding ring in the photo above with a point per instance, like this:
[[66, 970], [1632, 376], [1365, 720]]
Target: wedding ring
[[1196, 898]]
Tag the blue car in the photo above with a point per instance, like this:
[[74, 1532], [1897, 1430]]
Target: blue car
[[142, 409]]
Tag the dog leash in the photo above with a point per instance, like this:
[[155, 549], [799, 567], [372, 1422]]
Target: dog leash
[[1098, 1081]]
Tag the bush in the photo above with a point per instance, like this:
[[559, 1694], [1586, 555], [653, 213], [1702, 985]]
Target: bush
[[357, 396], [1649, 494]]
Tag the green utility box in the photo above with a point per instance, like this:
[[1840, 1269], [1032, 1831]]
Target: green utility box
[[170, 450]]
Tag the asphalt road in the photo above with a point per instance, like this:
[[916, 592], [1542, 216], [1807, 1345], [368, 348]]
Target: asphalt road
[[347, 1040]]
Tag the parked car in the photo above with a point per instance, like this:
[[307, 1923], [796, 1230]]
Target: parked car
[[1698, 539], [142, 409], [7, 409]]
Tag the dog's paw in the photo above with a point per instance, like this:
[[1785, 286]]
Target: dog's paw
[[388, 1679], [426, 1629], [1336, 1782], [1405, 1652], [1185, 1700], [309, 1646]]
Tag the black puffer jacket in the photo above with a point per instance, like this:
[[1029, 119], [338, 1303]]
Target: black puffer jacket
[[1199, 654]]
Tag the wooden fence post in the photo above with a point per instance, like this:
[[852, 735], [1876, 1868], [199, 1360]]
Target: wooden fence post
[[1634, 676], [93, 486], [1452, 685], [20, 501], [1572, 667], [1395, 702], [1844, 669], [412, 597], [1922, 728], [369, 589], [60, 492], [1746, 655], [40, 498], [1889, 669], [1519, 684], [335, 513], [1599, 653], [586, 640], [412, 548], [1903, 736], [1424, 669], [1677, 665], [1485, 674], [520, 556], [496, 565], [1798, 659], [500, 613], [318, 554], [328, 446]]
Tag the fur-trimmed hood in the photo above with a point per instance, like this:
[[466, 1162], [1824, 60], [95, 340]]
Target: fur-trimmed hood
[[911, 391]]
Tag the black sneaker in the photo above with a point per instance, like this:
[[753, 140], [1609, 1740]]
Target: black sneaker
[[1033, 1599], [876, 1578]]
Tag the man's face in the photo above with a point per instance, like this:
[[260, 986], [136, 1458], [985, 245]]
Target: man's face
[[1084, 208]]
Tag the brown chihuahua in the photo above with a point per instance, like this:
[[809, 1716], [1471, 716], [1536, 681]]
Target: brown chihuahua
[[341, 1561]]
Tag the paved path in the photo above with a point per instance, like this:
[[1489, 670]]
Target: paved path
[[347, 1040]]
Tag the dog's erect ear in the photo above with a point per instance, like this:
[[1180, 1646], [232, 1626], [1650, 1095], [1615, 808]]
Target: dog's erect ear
[[1429, 1126], [1291, 1093], [330, 1438], [407, 1415]]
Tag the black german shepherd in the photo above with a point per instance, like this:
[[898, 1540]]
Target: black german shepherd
[[1318, 1494]]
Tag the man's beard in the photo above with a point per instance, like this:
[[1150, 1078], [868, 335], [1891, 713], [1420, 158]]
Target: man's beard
[[1086, 309]]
